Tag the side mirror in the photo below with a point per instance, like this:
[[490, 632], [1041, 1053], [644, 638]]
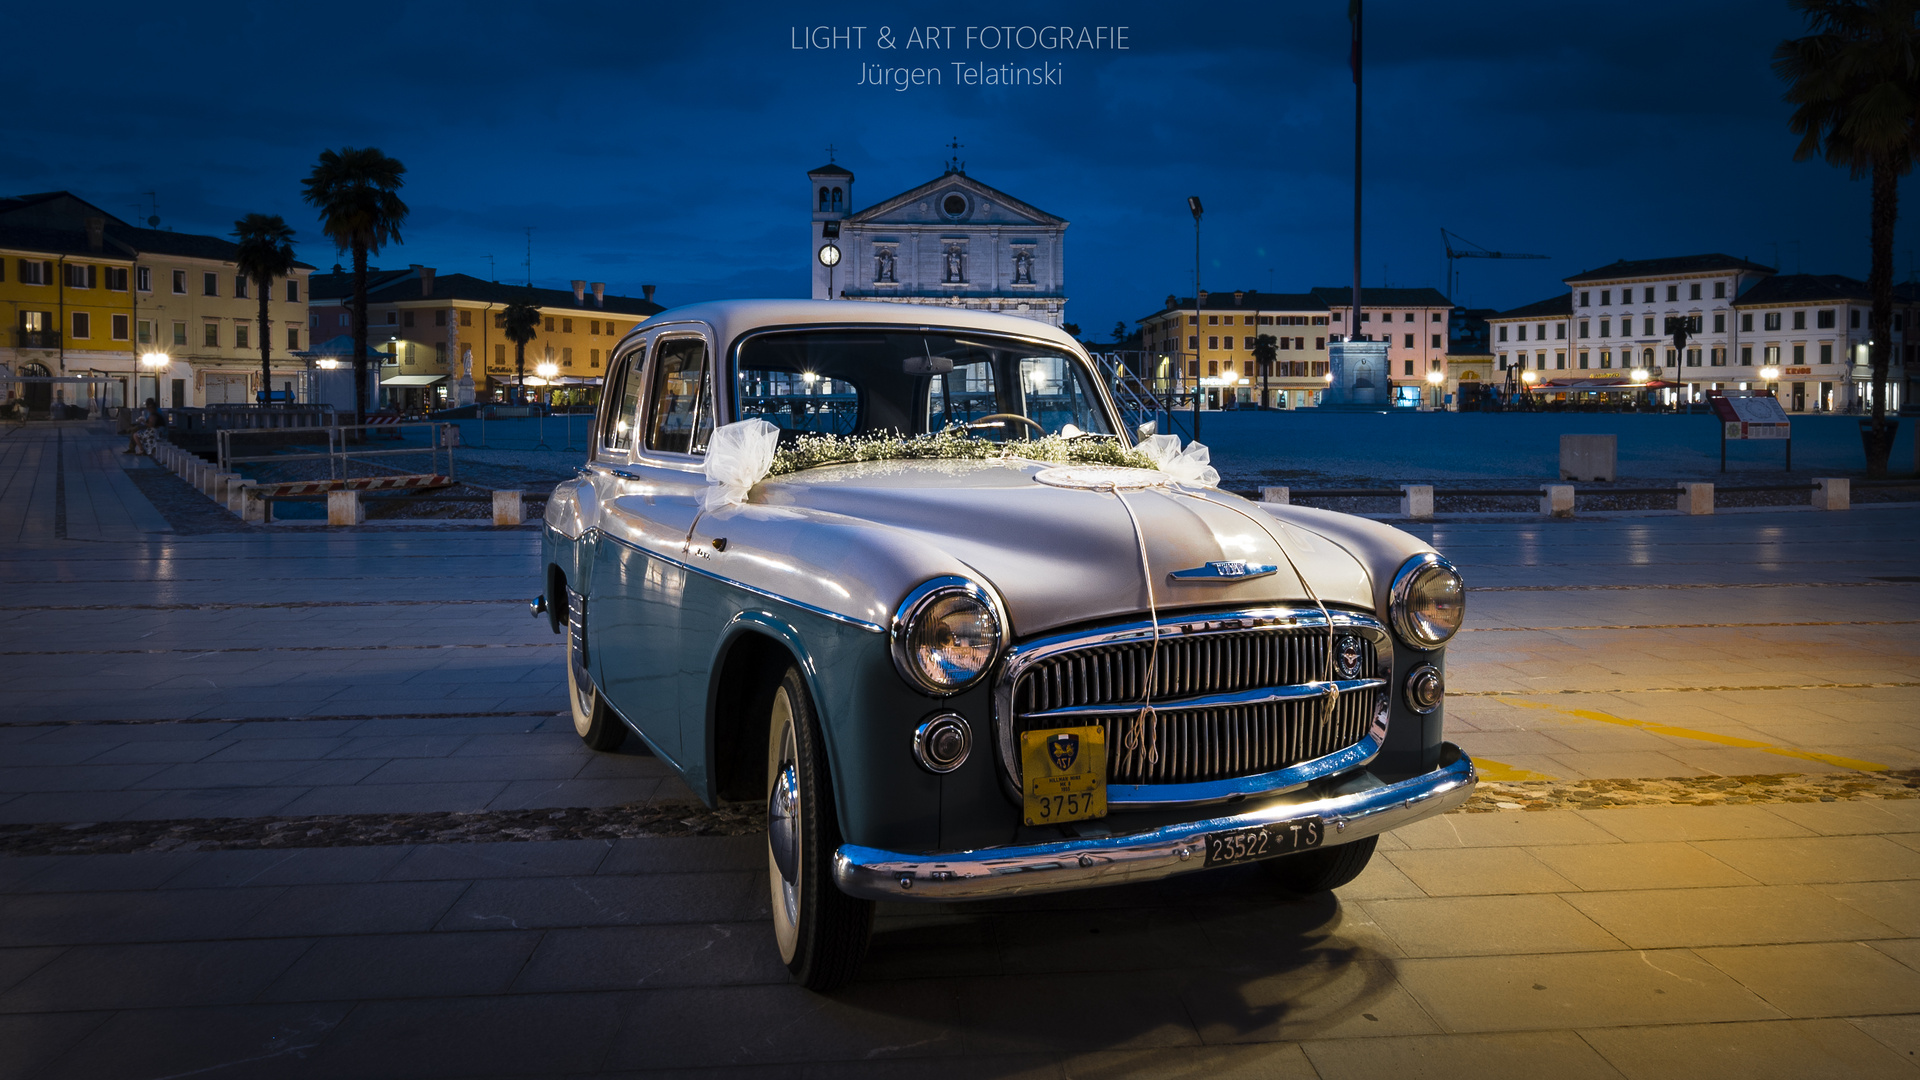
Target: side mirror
[[1147, 429]]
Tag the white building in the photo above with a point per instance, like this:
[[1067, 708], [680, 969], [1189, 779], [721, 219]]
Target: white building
[[1812, 328], [951, 242], [1620, 315]]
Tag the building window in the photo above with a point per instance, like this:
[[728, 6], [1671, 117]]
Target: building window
[[240, 335], [210, 335], [1720, 322], [1649, 294], [1799, 320], [439, 352], [116, 279], [1746, 356], [1719, 357], [1606, 297], [1746, 322], [466, 318], [440, 317], [1606, 327], [82, 324], [293, 291], [1606, 359], [240, 286], [1823, 319], [1693, 291], [344, 320], [1409, 370], [82, 276], [407, 319], [1772, 354], [179, 333], [566, 356], [210, 284], [1673, 293], [119, 325], [1583, 358], [179, 283], [593, 357], [1436, 341], [1693, 357], [1560, 331], [1583, 328], [1772, 320], [499, 354], [1408, 345], [1320, 343], [1503, 361], [146, 331], [1247, 344], [1503, 333], [1213, 343], [1719, 290], [1853, 318], [1520, 332], [566, 325], [1583, 303], [1826, 352], [293, 337], [1193, 320], [1213, 320], [1799, 354], [549, 324], [1647, 323], [1560, 361], [143, 278]]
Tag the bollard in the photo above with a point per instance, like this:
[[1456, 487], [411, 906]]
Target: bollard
[[1416, 501], [1694, 499], [1558, 500], [506, 508], [344, 508], [209, 482], [1588, 457], [253, 506], [1283, 496], [1832, 493]]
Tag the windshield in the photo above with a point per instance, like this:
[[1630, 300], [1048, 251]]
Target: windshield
[[856, 382]]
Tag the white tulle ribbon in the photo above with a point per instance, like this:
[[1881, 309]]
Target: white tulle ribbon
[[738, 457], [1188, 466]]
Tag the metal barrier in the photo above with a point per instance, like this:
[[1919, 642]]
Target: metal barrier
[[340, 453]]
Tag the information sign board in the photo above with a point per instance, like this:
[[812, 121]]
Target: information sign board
[[1753, 417]]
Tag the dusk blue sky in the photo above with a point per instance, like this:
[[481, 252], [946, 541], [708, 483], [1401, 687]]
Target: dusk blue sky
[[668, 144]]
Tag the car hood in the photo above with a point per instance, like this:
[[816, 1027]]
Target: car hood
[[1059, 556]]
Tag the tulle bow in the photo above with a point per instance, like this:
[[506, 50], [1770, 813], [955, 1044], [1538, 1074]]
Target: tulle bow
[[738, 457], [1188, 466]]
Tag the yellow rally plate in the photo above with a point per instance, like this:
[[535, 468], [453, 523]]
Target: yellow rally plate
[[1066, 774]]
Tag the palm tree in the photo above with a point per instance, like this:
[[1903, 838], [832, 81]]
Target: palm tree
[[354, 190], [265, 253], [522, 321], [1855, 85], [1265, 350]]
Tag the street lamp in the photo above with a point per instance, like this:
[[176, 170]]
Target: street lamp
[[1771, 376], [155, 363], [547, 370], [1434, 379], [1193, 204]]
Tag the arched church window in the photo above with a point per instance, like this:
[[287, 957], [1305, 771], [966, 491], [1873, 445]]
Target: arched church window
[[836, 198], [823, 198]]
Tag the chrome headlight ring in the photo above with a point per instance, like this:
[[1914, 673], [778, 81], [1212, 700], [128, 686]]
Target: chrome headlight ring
[[1406, 580], [907, 619]]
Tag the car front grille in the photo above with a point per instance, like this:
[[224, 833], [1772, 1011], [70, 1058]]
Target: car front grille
[[1233, 696]]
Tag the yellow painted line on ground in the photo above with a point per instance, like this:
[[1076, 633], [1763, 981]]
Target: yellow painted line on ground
[[1707, 736], [1501, 772]]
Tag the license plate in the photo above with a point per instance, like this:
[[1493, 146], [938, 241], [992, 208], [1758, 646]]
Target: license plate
[[1066, 774], [1263, 841]]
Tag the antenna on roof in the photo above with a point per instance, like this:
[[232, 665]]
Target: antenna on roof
[[529, 256], [153, 218], [491, 275]]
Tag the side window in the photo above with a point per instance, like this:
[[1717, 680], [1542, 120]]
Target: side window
[[623, 397], [682, 410]]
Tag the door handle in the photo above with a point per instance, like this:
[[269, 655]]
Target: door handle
[[622, 474]]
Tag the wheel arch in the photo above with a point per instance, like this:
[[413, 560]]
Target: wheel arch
[[754, 645]]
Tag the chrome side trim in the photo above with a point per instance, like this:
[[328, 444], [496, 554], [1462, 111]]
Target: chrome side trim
[[1090, 861], [1264, 696], [1023, 656], [743, 586]]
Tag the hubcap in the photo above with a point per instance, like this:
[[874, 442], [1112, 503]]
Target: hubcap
[[783, 825], [783, 832]]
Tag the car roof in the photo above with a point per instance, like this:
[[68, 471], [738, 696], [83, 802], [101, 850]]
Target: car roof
[[731, 318]]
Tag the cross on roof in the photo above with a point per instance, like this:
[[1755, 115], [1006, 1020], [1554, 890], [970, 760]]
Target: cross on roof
[[829, 153], [954, 164]]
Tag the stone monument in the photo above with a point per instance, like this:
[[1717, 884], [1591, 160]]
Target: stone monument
[[1357, 376]]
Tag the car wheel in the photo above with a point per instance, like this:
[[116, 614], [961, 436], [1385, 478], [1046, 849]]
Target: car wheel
[[822, 932], [592, 720], [1323, 870]]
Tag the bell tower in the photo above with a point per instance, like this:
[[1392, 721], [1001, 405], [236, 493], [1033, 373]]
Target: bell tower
[[830, 194]]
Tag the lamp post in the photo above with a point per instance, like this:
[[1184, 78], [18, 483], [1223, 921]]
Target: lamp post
[[154, 363], [546, 370], [1527, 379], [1193, 204], [1434, 379], [1771, 376]]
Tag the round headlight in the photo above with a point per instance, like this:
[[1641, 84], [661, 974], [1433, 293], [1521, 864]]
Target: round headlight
[[945, 635], [1429, 601]]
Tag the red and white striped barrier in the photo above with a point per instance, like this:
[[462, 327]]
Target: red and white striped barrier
[[362, 483]]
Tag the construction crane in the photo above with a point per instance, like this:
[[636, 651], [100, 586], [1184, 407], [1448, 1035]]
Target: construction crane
[[1447, 240]]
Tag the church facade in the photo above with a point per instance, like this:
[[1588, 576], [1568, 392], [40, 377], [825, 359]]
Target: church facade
[[951, 242]]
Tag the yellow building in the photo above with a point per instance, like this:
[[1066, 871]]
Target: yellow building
[[1216, 339], [88, 295], [436, 329]]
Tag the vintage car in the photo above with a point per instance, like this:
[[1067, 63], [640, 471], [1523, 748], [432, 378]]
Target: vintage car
[[970, 635]]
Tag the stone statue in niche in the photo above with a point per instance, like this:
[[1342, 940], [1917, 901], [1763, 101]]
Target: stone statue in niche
[[955, 265], [1023, 267], [883, 265]]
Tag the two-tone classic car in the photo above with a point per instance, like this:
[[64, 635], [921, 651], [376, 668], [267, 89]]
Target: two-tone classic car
[[905, 574]]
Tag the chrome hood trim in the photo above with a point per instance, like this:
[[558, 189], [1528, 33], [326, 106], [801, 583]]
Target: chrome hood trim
[[1061, 556]]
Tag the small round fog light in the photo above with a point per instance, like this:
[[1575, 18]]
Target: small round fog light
[[1425, 687], [942, 743]]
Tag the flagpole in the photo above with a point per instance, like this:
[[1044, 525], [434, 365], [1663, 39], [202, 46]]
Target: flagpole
[[1353, 14]]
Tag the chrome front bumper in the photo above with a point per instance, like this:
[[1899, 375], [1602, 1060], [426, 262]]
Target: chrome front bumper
[[1092, 861]]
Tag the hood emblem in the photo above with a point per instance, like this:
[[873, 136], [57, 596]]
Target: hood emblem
[[1229, 570], [1348, 656]]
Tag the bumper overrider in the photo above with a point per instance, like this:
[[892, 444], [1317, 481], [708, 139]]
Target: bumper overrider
[[1092, 861]]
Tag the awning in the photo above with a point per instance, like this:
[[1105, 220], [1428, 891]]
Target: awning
[[410, 380], [1600, 384]]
